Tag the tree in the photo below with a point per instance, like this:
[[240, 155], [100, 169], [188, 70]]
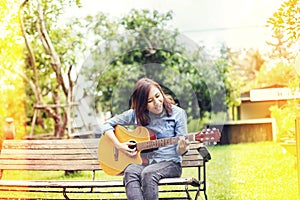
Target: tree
[[280, 47], [52, 57], [245, 65], [42, 55], [285, 25], [150, 47], [147, 47], [269, 76]]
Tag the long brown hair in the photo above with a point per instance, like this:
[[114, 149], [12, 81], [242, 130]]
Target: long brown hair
[[139, 100]]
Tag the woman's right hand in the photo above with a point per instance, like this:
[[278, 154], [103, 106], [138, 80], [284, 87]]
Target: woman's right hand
[[128, 148]]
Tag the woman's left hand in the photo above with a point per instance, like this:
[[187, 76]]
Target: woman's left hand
[[183, 145]]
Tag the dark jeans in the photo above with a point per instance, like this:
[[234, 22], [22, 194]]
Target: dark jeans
[[141, 182]]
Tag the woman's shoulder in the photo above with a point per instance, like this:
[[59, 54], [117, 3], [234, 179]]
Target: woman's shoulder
[[177, 109], [129, 113]]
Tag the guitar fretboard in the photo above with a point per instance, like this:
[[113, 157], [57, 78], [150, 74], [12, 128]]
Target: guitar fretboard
[[152, 144]]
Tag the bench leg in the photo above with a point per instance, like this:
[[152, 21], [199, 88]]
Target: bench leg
[[187, 192], [65, 194], [205, 195], [198, 192]]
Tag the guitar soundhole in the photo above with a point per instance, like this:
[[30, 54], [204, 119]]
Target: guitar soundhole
[[133, 145]]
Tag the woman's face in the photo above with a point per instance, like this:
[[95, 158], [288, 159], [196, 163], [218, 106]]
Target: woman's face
[[155, 100]]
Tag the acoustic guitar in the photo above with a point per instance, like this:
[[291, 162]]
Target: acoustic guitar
[[113, 161]]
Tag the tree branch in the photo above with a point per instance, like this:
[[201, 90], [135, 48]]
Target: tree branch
[[35, 87], [55, 60], [151, 50]]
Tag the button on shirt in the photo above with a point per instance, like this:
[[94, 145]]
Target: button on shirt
[[162, 125]]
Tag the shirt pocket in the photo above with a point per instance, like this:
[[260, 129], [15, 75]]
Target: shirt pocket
[[170, 128]]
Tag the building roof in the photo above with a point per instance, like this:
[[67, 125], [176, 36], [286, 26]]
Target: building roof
[[270, 93]]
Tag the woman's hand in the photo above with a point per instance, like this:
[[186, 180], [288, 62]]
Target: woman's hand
[[129, 148], [183, 145]]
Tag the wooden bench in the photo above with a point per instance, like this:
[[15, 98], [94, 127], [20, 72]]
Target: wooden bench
[[81, 155]]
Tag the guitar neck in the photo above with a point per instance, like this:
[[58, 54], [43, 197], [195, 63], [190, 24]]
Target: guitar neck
[[153, 144]]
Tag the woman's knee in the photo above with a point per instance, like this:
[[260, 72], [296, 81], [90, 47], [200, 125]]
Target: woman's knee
[[132, 172], [149, 176]]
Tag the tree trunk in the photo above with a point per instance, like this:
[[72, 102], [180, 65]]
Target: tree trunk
[[58, 112]]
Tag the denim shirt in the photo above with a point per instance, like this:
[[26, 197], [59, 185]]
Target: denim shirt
[[162, 125]]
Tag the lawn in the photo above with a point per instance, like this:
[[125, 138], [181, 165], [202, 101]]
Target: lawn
[[242, 171], [252, 171]]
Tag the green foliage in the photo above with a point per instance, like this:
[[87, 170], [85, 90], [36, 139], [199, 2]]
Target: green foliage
[[71, 45], [272, 75], [285, 120], [138, 20], [286, 20], [195, 125], [285, 116], [149, 47], [63, 40], [286, 32], [243, 67], [285, 25]]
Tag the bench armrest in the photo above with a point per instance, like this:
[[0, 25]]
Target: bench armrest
[[204, 153]]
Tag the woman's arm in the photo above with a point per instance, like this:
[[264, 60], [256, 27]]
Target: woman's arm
[[124, 147], [125, 118]]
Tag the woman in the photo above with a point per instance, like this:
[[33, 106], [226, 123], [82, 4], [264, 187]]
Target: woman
[[151, 109]]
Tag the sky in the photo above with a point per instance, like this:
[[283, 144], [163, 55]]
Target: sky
[[238, 23]]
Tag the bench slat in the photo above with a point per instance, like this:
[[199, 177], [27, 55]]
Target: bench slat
[[49, 157], [48, 162], [192, 152], [61, 144], [51, 142], [64, 161], [94, 165], [50, 146], [48, 152], [69, 157], [89, 184], [192, 157], [192, 163], [51, 167]]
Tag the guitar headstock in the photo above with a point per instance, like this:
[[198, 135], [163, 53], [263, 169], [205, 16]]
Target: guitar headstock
[[208, 135]]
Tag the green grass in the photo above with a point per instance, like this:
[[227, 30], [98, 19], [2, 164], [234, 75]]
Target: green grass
[[252, 171], [242, 171]]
